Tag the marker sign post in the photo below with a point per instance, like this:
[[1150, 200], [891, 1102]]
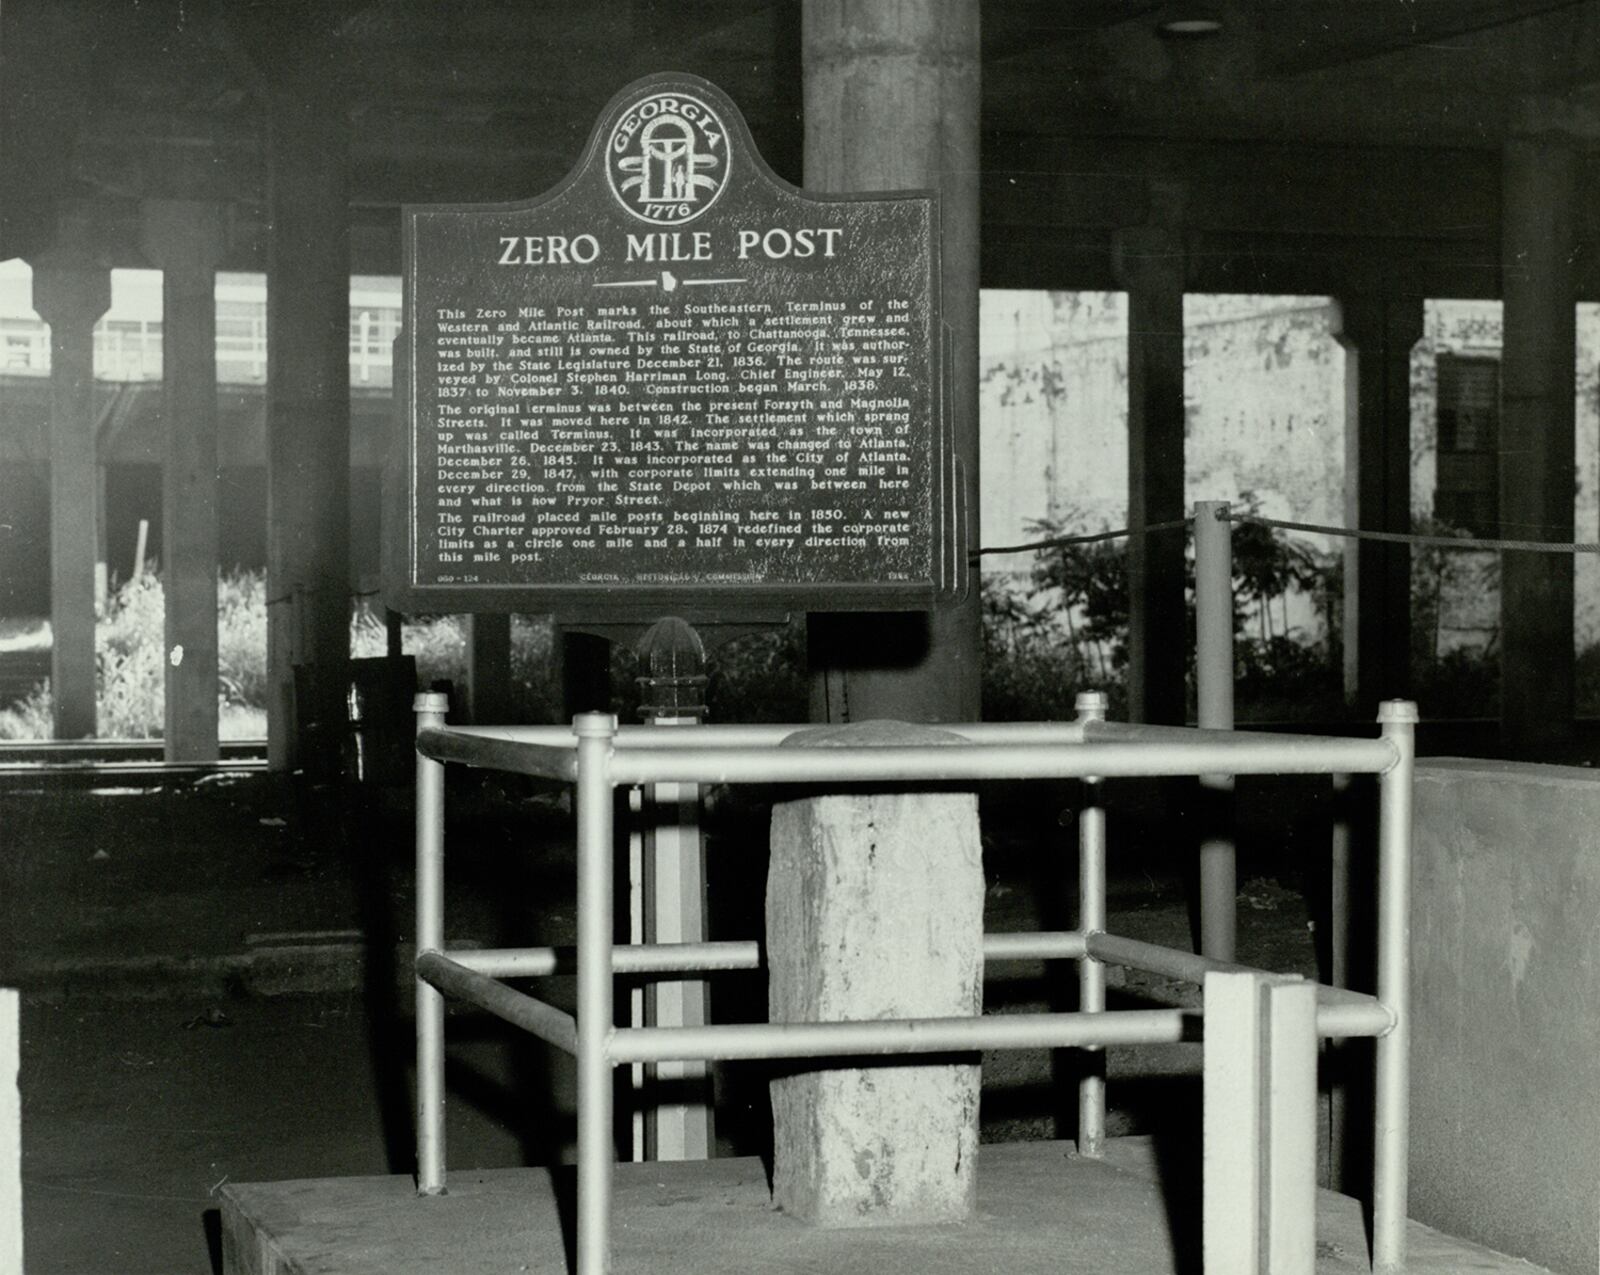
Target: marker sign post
[[673, 384]]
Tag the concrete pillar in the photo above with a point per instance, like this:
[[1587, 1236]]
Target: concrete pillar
[[875, 910], [187, 240], [911, 68], [583, 671], [308, 407], [70, 293], [1148, 262], [1378, 333], [1538, 242], [488, 668]]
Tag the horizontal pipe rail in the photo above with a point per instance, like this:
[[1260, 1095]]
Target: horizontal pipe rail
[[1060, 751], [535, 1016], [659, 739], [642, 737], [645, 738], [1340, 1012], [1339, 1020], [1193, 755], [637, 958], [542, 760], [727, 1043], [1039, 945], [692, 958]]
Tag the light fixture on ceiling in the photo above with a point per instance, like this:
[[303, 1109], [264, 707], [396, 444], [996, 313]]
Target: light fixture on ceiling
[[1189, 21]]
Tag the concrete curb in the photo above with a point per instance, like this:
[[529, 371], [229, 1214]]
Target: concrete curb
[[335, 963]]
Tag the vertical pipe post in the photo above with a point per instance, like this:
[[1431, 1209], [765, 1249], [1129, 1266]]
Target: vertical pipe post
[[1091, 706], [636, 1071], [430, 707], [1339, 885], [1340, 878], [1392, 1101], [596, 1146], [1213, 601]]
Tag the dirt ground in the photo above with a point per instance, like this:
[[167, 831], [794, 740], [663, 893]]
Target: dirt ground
[[214, 980]]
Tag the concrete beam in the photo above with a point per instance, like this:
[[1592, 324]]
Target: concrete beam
[[912, 68], [1243, 187], [187, 240], [70, 293]]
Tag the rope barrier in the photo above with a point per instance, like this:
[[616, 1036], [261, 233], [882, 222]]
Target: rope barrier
[[317, 588], [1399, 537], [1313, 528], [1088, 539]]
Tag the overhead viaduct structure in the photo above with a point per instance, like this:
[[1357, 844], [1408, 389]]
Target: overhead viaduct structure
[[1377, 153]]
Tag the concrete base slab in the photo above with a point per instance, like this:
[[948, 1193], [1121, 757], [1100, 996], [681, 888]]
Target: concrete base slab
[[1041, 1208]]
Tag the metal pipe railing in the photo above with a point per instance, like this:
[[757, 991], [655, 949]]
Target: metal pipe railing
[[539, 1018], [932, 763], [1348, 1013], [1392, 1096], [544, 761], [1034, 945], [731, 1041], [1091, 707], [596, 1150], [764, 735], [1088, 749], [1037, 750], [1213, 602], [726, 955], [430, 710], [635, 958]]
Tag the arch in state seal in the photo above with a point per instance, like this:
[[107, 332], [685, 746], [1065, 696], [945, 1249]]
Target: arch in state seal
[[667, 158]]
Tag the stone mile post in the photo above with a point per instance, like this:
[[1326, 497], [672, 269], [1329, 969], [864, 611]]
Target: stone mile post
[[875, 910]]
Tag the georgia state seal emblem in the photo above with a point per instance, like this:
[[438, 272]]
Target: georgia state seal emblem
[[667, 158]]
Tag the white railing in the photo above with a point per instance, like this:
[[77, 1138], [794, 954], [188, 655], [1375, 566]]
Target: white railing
[[1260, 1030]]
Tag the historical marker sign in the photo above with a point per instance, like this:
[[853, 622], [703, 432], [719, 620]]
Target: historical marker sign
[[673, 383]]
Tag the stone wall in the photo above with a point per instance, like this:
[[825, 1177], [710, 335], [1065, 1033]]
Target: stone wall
[[1506, 1009]]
